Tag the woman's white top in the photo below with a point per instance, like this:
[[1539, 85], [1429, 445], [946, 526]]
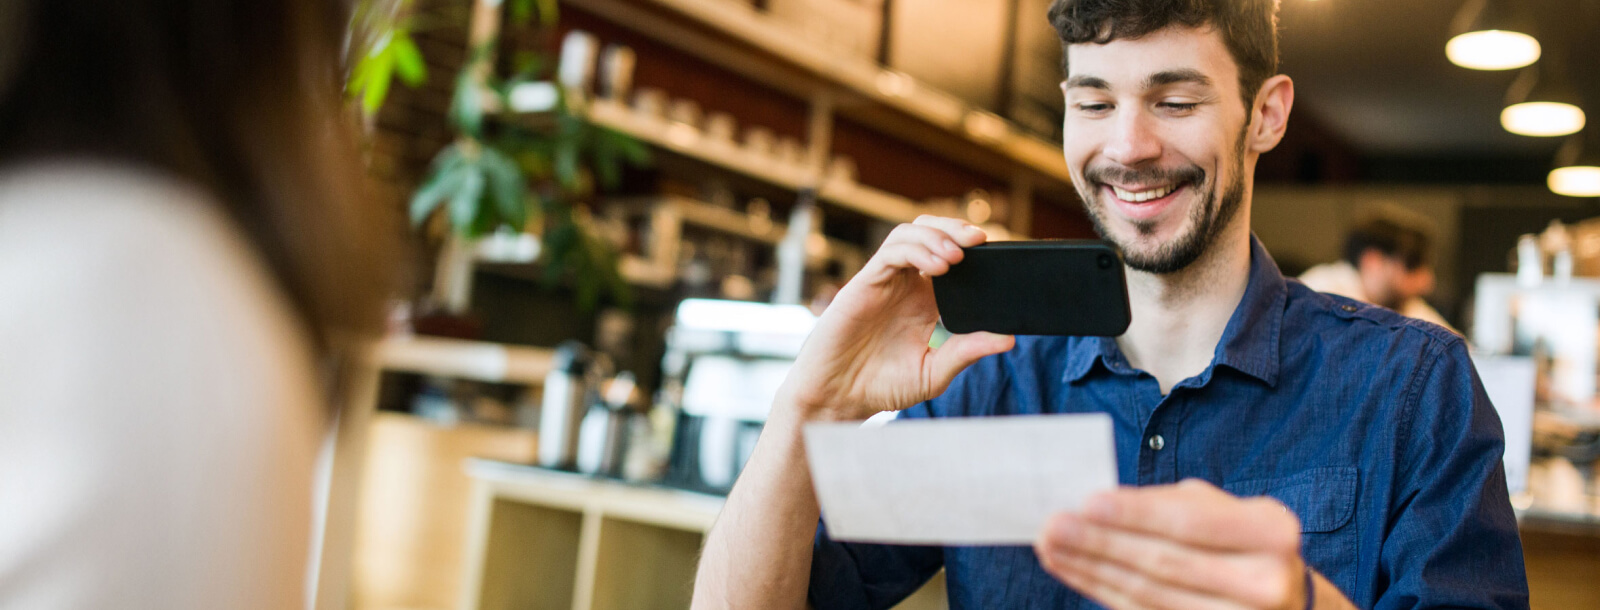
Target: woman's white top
[[159, 411]]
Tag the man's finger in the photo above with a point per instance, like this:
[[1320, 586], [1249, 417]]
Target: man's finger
[[933, 239], [959, 352], [1118, 587], [1258, 579], [911, 255], [1196, 513], [962, 231]]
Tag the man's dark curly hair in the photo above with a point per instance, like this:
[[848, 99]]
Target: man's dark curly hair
[[1249, 28], [1407, 242]]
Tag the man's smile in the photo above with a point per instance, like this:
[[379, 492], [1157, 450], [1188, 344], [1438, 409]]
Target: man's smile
[[1143, 202], [1142, 194]]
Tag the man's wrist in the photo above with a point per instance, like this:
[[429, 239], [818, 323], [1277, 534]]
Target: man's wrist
[[1322, 594], [801, 410]]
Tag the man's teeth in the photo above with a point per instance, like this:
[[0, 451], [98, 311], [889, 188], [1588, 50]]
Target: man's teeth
[[1142, 196]]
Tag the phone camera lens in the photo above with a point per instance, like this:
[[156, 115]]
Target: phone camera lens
[[1105, 261]]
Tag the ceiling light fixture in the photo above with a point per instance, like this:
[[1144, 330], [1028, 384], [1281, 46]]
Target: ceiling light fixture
[[1491, 35], [1542, 103], [1577, 172]]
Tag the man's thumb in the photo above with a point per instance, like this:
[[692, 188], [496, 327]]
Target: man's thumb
[[960, 351]]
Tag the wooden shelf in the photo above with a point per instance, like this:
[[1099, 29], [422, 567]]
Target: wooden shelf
[[707, 216], [735, 36], [476, 360], [670, 508], [689, 142], [730, 222], [541, 538], [668, 214]]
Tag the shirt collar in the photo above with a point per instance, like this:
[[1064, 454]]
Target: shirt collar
[[1249, 343]]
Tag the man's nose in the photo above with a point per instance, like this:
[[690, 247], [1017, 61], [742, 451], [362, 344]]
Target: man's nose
[[1133, 141]]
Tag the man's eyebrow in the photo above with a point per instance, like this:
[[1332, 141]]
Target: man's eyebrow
[[1172, 77], [1092, 82]]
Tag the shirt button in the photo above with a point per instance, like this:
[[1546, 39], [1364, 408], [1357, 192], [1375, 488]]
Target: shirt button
[[1348, 308], [1156, 442]]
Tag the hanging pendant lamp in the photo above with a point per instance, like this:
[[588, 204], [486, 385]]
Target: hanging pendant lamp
[[1492, 35], [1542, 102], [1577, 172]]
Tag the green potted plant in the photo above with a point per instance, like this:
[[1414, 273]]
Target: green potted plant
[[532, 173]]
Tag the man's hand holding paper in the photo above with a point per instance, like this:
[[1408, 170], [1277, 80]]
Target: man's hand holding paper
[[1188, 545]]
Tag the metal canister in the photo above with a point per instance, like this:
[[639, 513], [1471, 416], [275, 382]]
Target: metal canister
[[565, 402]]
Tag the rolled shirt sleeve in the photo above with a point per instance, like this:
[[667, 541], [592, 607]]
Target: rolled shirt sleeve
[[852, 576]]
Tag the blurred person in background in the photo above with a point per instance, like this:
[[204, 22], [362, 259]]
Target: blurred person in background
[[1387, 262], [186, 259]]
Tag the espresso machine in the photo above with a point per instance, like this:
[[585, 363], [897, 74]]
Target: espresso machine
[[724, 363]]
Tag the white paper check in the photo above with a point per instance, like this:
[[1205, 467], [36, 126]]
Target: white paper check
[[957, 481]]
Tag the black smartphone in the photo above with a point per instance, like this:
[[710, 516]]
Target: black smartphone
[[1047, 287]]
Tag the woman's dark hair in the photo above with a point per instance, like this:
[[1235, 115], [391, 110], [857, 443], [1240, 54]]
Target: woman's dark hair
[[1402, 241], [240, 97], [1249, 28]]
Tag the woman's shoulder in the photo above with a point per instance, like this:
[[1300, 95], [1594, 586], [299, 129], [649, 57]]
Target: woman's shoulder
[[81, 205], [100, 246]]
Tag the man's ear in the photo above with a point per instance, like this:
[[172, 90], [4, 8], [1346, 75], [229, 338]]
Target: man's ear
[[1271, 113]]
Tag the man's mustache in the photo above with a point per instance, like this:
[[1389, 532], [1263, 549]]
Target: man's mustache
[[1148, 175]]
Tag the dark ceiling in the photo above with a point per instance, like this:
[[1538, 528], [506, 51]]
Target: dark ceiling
[[1374, 73]]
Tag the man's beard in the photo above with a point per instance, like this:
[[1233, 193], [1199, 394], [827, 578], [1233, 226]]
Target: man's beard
[[1206, 219]]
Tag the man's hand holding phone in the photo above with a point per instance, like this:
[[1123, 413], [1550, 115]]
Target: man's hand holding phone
[[869, 351]]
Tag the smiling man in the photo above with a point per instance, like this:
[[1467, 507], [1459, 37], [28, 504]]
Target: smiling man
[[1279, 448]]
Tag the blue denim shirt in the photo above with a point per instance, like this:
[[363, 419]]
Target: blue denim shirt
[[1373, 428]]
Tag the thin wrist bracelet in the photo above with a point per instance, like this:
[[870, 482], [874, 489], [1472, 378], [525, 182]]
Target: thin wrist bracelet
[[1311, 589]]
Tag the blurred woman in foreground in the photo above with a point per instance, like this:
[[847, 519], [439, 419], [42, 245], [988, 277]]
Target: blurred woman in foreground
[[185, 253]]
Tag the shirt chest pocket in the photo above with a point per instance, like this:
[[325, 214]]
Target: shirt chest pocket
[[1324, 499]]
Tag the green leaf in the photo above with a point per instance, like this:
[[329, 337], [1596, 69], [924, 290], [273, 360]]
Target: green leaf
[[588, 288], [529, 65], [559, 241], [358, 78], [565, 163], [585, 277], [606, 166], [506, 187], [534, 205], [549, 12], [408, 61], [465, 203], [521, 10], [443, 179], [487, 219], [375, 82], [466, 108], [633, 150], [620, 290]]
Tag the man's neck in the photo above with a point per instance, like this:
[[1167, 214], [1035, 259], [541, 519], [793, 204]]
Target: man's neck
[[1178, 318]]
